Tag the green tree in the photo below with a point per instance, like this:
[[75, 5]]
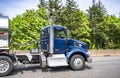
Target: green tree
[[53, 7], [42, 3], [76, 21], [25, 28], [113, 32], [97, 18]]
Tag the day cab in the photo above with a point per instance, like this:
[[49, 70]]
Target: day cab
[[65, 51]]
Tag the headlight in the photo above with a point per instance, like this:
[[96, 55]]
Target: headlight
[[77, 44], [80, 45]]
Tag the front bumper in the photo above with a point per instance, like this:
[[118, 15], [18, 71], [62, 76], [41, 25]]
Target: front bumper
[[89, 60]]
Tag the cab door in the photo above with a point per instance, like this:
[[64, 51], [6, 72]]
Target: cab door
[[60, 45]]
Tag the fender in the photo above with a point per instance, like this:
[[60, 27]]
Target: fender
[[76, 50]]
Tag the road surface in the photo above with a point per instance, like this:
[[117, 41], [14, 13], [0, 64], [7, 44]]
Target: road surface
[[102, 67]]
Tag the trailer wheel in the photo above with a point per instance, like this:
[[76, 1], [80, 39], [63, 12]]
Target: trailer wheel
[[77, 62], [6, 65]]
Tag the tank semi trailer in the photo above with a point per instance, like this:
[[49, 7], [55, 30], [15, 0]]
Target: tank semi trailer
[[54, 49]]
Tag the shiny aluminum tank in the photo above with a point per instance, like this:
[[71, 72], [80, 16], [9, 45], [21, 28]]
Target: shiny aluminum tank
[[4, 23], [4, 33]]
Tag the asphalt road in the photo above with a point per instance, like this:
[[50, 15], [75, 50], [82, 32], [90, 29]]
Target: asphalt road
[[102, 67]]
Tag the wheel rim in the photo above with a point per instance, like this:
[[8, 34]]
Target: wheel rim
[[4, 66], [78, 63]]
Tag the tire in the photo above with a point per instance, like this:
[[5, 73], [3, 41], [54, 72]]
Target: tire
[[77, 62], [6, 65]]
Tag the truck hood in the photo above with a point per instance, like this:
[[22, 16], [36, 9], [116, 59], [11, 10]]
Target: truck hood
[[78, 43]]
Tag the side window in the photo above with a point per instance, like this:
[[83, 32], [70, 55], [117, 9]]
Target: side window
[[59, 33], [44, 33]]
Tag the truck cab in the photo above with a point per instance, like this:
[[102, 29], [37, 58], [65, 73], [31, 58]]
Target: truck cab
[[75, 53]]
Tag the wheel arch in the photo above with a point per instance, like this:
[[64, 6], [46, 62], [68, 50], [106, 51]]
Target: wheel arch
[[11, 56], [77, 53]]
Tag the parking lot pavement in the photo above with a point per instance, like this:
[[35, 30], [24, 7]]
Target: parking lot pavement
[[102, 67]]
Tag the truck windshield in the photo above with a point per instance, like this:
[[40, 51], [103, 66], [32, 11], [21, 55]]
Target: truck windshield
[[58, 33]]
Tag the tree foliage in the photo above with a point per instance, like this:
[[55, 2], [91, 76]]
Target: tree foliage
[[113, 32], [53, 7], [26, 28], [97, 18]]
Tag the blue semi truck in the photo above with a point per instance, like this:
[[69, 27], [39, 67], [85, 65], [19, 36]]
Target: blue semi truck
[[54, 49]]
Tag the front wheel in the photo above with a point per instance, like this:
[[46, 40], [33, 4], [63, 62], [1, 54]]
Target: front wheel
[[77, 62], [6, 65]]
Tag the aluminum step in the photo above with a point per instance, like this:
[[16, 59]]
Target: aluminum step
[[57, 60]]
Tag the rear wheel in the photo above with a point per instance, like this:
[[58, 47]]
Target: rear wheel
[[6, 65], [77, 62]]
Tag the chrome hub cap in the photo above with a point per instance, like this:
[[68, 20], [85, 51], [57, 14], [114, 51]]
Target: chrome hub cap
[[78, 63], [4, 66]]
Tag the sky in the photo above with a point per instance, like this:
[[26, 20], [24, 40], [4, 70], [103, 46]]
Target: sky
[[12, 8]]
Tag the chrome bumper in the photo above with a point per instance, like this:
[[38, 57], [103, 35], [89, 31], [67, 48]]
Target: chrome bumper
[[89, 60]]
